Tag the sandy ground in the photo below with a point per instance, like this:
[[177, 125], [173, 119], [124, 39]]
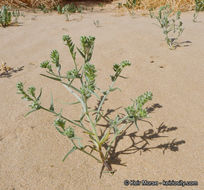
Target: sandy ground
[[31, 150]]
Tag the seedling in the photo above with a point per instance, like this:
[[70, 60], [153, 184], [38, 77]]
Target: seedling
[[101, 5], [43, 8], [5, 16], [16, 14], [96, 23], [120, 5], [131, 5], [170, 24], [70, 8], [59, 9], [199, 6], [100, 139], [65, 10]]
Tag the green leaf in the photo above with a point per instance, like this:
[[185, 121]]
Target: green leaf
[[38, 98], [54, 78], [31, 91], [55, 57], [61, 132], [30, 112], [44, 64], [52, 104], [71, 45], [69, 132], [73, 103], [72, 150], [105, 137], [81, 52], [113, 89], [60, 123]]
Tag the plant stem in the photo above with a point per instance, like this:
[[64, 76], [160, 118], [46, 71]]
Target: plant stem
[[104, 159], [78, 98], [90, 155], [82, 150], [102, 101], [65, 119], [90, 120]]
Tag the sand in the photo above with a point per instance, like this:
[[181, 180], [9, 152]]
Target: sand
[[31, 150]]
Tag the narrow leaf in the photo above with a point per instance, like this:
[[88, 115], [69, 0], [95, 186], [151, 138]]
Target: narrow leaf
[[61, 132], [51, 77], [105, 137], [29, 113], [52, 104], [81, 52], [72, 150], [39, 94]]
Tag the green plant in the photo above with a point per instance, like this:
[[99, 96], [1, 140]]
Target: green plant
[[170, 23], [199, 6], [70, 8], [5, 16], [120, 5], [16, 14], [96, 23], [59, 9], [43, 8], [81, 83], [65, 10], [131, 5], [101, 5]]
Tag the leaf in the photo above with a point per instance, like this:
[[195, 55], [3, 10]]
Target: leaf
[[73, 103], [70, 86], [29, 112], [135, 121], [51, 105], [61, 132], [71, 45], [58, 79], [72, 150], [113, 89], [105, 137], [81, 52], [38, 98], [95, 94], [89, 133], [55, 57]]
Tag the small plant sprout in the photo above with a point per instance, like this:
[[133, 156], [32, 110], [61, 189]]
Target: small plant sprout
[[5, 16], [43, 8], [120, 5], [16, 14], [59, 9], [68, 9], [81, 83], [96, 23], [66, 12], [170, 24], [199, 6], [131, 6], [101, 5]]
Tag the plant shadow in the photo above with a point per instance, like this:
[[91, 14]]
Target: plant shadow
[[16, 24], [140, 143], [8, 73], [183, 44]]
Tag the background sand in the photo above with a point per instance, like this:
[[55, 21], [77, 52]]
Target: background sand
[[31, 150]]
